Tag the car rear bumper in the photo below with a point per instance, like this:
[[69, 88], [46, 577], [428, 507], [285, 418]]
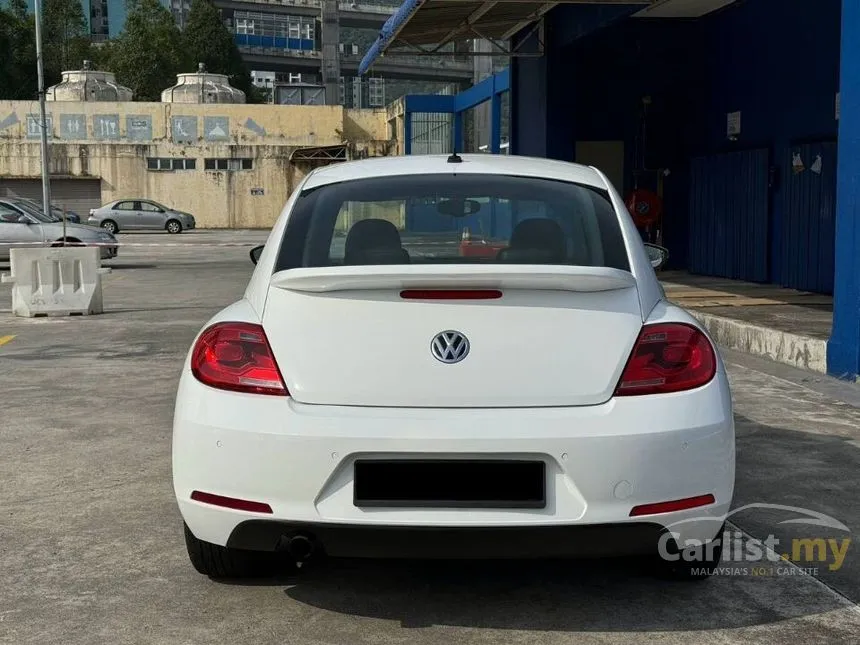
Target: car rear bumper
[[600, 462]]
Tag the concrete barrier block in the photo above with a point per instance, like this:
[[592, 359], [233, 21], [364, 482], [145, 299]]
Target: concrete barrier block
[[56, 281]]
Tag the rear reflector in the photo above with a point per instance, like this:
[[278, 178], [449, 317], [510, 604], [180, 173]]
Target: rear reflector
[[671, 507], [668, 357], [451, 294], [230, 502]]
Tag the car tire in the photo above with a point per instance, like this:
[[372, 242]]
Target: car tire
[[218, 561], [697, 569], [110, 226], [173, 226]]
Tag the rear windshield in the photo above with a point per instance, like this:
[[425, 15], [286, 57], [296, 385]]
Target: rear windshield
[[447, 219]]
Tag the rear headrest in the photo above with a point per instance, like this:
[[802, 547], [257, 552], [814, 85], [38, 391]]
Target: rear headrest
[[542, 237], [374, 241], [540, 233]]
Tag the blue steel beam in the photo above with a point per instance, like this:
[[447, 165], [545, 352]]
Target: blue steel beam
[[496, 124], [388, 33], [441, 103], [459, 142], [483, 91], [843, 350]]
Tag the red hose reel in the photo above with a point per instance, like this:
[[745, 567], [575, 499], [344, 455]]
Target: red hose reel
[[645, 207]]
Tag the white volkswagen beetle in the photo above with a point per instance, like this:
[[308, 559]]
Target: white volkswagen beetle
[[459, 356]]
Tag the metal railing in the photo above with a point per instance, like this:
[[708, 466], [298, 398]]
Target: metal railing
[[449, 62], [418, 62]]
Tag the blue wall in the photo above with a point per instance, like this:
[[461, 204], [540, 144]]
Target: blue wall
[[775, 61], [783, 80], [544, 85]]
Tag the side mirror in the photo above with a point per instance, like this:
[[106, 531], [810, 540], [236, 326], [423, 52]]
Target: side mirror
[[657, 255], [256, 252]]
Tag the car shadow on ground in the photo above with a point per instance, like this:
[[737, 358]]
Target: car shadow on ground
[[617, 595], [776, 466], [123, 265]]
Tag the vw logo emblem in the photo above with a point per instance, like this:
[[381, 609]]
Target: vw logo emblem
[[449, 347]]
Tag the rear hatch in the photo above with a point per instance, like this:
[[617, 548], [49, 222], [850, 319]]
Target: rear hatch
[[557, 336]]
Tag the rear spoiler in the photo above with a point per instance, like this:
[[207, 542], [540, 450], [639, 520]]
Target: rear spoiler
[[495, 276]]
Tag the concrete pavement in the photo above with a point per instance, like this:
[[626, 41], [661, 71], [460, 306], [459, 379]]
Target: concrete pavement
[[91, 540]]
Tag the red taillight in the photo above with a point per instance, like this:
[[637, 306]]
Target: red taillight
[[451, 294], [668, 357], [231, 502], [236, 356], [674, 505]]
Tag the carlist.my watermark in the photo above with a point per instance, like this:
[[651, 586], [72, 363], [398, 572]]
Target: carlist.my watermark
[[769, 556]]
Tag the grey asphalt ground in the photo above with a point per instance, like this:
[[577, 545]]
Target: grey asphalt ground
[[91, 546]]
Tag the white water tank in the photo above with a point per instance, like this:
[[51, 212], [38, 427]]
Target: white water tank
[[88, 85], [202, 87]]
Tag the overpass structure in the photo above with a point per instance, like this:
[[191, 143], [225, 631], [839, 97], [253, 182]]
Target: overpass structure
[[272, 59], [350, 14], [303, 36]]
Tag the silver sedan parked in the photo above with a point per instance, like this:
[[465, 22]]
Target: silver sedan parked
[[139, 215], [24, 227]]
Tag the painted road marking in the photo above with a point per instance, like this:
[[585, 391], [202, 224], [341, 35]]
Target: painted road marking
[[5, 339]]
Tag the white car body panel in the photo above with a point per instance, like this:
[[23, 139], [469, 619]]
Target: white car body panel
[[538, 384], [384, 341]]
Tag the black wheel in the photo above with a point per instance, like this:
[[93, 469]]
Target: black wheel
[[173, 226], [692, 563], [222, 562], [110, 226]]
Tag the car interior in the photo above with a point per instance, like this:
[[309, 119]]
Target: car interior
[[378, 223]]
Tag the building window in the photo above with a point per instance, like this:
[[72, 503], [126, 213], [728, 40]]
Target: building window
[[376, 92], [244, 26], [166, 163], [355, 50], [294, 30], [228, 164]]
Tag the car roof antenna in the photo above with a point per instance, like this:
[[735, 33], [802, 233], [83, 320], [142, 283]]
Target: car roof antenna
[[455, 158]]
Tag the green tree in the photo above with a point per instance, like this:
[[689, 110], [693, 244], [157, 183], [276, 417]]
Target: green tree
[[18, 62], [148, 54], [64, 37], [207, 40], [19, 9]]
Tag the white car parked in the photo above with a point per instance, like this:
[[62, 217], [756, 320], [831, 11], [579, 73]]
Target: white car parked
[[382, 390]]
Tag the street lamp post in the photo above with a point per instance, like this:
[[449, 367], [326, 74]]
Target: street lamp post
[[43, 121]]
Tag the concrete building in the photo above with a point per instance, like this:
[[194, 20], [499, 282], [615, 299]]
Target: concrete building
[[315, 41], [231, 165]]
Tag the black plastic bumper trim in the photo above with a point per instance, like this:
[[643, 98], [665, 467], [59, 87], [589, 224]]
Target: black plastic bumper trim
[[350, 540]]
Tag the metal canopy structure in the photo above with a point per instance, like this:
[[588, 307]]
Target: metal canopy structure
[[429, 26], [319, 155]]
